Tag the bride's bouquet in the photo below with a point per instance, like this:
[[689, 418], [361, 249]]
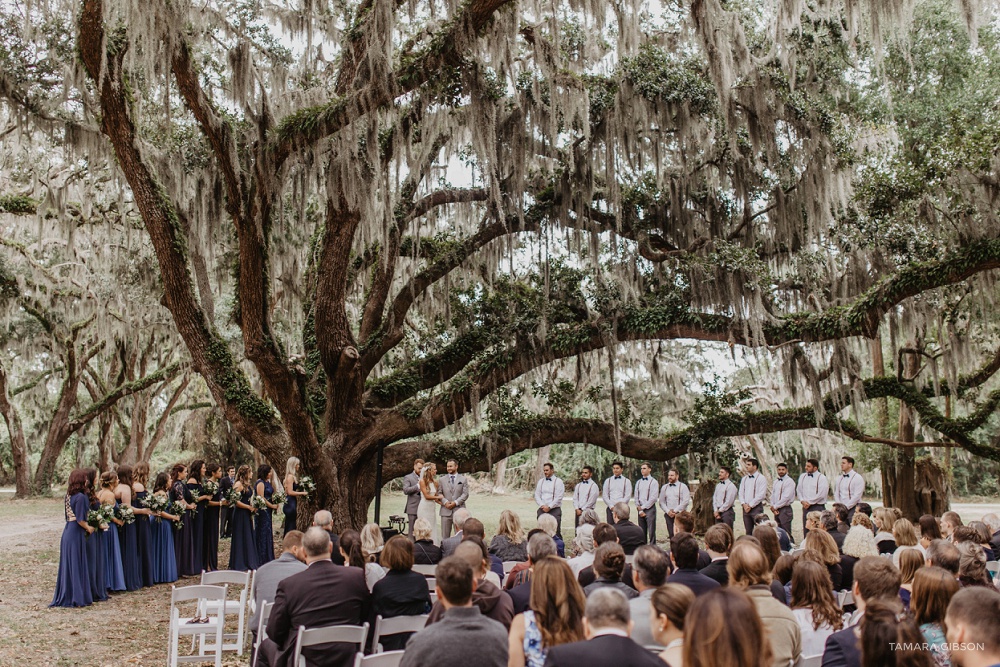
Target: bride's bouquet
[[308, 485], [258, 502], [125, 514]]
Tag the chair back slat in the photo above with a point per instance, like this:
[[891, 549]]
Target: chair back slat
[[344, 634], [197, 592], [226, 577], [388, 659], [426, 570]]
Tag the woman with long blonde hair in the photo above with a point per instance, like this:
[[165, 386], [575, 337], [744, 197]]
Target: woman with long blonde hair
[[556, 615], [729, 631], [509, 543], [430, 499], [293, 491]]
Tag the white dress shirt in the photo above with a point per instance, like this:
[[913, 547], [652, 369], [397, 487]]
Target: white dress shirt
[[813, 488], [617, 490], [647, 490], [549, 491], [585, 495], [674, 497], [753, 489], [724, 496], [782, 492], [850, 487]]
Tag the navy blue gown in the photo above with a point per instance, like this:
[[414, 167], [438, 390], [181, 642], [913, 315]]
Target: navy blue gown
[[114, 576], [197, 530], [265, 533], [164, 558], [243, 551], [73, 580], [290, 509], [144, 538], [130, 555], [97, 553], [211, 545], [183, 542]]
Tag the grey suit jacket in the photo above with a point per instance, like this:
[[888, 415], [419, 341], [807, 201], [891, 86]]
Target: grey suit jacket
[[642, 634], [457, 492], [411, 487], [266, 579], [449, 544]]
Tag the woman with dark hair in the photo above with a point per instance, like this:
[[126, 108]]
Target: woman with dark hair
[[127, 536], [813, 606], [729, 631], [140, 477], [933, 588], [609, 562], [352, 549], [265, 533], [162, 537], [73, 578], [182, 537], [910, 560], [213, 508], [929, 530], [402, 592], [114, 575], [96, 543], [555, 616], [243, 549], [769, 543], [197, 518], [888, 637]]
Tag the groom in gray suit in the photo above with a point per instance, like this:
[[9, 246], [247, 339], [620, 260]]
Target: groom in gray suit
[[411, 487], [455, 492]]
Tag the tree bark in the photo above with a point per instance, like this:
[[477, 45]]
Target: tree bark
[[904, 477], [18, 445]]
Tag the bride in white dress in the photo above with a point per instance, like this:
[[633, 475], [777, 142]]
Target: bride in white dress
[[430, 499]]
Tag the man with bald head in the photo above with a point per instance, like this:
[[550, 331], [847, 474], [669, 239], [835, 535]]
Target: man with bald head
[[492, 602]]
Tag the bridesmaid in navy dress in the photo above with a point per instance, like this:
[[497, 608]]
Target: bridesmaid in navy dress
[[213, 472], [96, 550], [73, 580], [293, 490], [243, 551], [140, 477], [162, 537], [197, 472], [114, 576], [265, 533], [127, 532], [183, 545]]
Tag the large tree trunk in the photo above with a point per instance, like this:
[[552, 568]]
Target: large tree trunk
[[932, 488], [18, 445], [904, 474], [701, 505]]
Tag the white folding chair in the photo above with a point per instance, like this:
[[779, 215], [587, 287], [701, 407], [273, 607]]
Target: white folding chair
[[846, 598], [810, 661], [182, 626], [389, 659], [265, 614], [340, 634], [385, 627], [509, 565], [431, 584], [426, 570], [232, 578]]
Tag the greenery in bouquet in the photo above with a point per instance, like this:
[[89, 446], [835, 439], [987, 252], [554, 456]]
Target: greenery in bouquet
[[307, 484], [258, 502], [156, 504], [125, 514], [210, 488], [97, 518], [278, 497], [233, 496]]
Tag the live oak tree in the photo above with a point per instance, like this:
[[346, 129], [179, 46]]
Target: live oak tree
[[411, 207]]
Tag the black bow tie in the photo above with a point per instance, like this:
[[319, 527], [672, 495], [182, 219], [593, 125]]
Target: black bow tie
[[672, 484], [847, 474], [618, 476], [809, 474]]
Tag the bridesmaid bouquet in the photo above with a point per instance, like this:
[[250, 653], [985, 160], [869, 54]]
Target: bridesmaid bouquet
[[125, 514], [101, 517], [278, 497], [210, 488], [307, 484], [258, 502], [177, 509], [155, 504], [233, 497]]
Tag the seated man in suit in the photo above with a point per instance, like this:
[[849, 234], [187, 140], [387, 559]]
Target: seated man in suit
[[650, 569], [684, 523], [323, 594], [719, 540], [874, 577], [829, 520], [449, 544], [607, 625], [684, 555], [269, 575], [630, 536], [603, 532]]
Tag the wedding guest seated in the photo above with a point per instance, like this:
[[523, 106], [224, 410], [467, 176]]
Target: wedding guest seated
[[548, 524], [323, 519], [784, 539], [992, 521], [555, 617], [883, 520], [588, 518], [510, 543], [603, 533], [684, 556], [323, 594], [875, 578], [670, 603], [355, 556], [983, 537], [781, 582], [822, 543], [458, 520], [630, 536], [609, 561], [860, 542], [889, 637], [910, 560], [729, 632], [539, 546], [718, 542], [425, 552], [769, 543], [269, 575], [492, 602], [684, 523], [372, 542], [649, 571], [973, 623], [972, 566], [401, 592], [933, 589], [473, 527], [829, 523], [749, 571], [949, 522], [929, 530], [585, 546], [905, 536], [814, 606], [606, 624], [943, 554], [462, 630], [519, 573]]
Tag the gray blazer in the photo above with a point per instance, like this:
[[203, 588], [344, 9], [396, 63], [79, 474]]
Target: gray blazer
[[411, 487], [449, 544], [457, 493], [266, 579]]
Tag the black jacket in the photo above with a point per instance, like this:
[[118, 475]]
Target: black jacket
[[602, 651], [426, 552], [694, 580], [630, 536], [587, 576], [399, 594], [717, 570], [842, 649]]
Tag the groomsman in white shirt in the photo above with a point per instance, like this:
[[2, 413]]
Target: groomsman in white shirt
[[549, 495], [753, 492], [850, 487], [617, 489], [647, 490], [782, 497], [812, 490], [724, 498], [585, 494], [674, 498]]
